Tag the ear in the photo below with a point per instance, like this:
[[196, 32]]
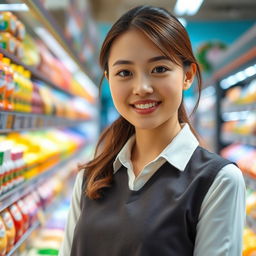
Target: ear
[[189, 76], [106, 74]]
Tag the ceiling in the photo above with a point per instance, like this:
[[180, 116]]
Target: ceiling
[[211, 10]]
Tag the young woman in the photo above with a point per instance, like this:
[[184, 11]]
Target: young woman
[[151, 188]]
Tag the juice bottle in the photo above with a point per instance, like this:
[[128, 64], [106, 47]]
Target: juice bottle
[[17, 87], [8, 22], [2, 83], [10, 229], [8, 168], [3, 238], [29, 90], [10, 84], [1, 172], [25, 214], [7, 42], [18, 221], [22, 89], [21, 31]]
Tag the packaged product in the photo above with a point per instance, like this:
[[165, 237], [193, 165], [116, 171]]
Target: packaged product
[[7, 42], [20, 31], [10, 229], [18, 221], [10, 86], [8, 22], [2, 83], [3, 238], [25, 214], [19, 50]]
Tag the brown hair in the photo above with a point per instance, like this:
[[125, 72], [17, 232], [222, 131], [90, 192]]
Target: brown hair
[[168, 34]]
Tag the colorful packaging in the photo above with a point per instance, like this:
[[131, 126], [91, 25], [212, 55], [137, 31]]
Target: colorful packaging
[[8, 22], [10, 86], [3, 238], [10, 229], [2, 83], [7, 42], [18, 221]]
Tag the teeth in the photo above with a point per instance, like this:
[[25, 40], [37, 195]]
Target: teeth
[[145, 106]]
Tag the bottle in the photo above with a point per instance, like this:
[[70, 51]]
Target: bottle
[[7, 42], [29, 90], [10, 86], [8, 22], [2, 83], [10, 228], [9, 166], [25, 214], [3, 238], [18, 221], [1, 172], [21, 31]]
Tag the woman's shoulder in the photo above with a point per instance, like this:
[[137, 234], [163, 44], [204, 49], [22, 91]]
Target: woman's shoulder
[[231, 175]]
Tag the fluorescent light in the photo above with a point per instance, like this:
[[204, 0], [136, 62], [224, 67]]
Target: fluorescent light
[[185, 7], [52, 43], [14, 7], [234, 116], [238, 77]]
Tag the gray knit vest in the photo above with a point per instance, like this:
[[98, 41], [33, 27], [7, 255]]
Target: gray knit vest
[[159, 219]]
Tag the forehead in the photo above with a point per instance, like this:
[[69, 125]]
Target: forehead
[[133, 45]]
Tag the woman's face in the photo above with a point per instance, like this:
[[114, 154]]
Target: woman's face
[[145, 85]]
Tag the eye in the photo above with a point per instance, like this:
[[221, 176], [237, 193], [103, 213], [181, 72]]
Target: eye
[[124, 73], [159, 69]]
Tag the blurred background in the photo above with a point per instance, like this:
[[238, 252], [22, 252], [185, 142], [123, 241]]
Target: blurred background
[[52, 111]]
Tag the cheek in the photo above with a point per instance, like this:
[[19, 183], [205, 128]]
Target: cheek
[[118, 94]]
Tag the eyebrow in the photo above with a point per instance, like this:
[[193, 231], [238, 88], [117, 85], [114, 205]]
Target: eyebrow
[[157, 58]]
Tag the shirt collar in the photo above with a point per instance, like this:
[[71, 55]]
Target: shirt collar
[[177, 153]]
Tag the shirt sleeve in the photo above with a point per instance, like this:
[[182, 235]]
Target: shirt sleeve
[[73, 215], [222, 215]]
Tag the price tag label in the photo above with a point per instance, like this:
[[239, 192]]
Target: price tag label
[[2, 120], [41, 217], [18, 122], [10, 121]]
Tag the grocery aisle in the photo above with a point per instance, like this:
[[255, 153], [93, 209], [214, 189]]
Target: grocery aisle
[[48, 125], [51, 115]]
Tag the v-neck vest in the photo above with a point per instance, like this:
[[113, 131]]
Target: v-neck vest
[[158, 219]]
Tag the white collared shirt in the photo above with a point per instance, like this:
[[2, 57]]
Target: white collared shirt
[[222, 214]]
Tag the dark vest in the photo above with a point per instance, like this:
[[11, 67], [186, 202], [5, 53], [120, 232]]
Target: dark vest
[[159, 219]]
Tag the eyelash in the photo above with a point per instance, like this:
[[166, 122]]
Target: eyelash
[[125, 70]]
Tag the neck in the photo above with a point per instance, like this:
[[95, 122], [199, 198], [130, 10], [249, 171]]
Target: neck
[[150, 143]]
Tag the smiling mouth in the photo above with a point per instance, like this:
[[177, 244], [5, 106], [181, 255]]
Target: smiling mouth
[[146, 105]]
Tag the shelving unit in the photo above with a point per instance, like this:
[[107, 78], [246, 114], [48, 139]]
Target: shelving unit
[[26, 187], [241, 55], [24, 237], [16, 121], [13, 121], [35, 73]]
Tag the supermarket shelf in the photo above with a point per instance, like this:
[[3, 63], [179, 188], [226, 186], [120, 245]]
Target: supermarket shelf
[[17, 121], [251, 222], [26, 187], [250, 181], [24, 237], [237, 108], [50, 24], [35, 73], [238, 138]]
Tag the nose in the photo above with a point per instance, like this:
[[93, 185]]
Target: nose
[[142, 86]]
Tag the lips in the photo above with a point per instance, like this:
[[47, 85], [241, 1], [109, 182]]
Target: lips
[[145, 106]]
